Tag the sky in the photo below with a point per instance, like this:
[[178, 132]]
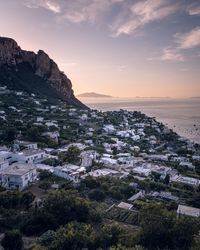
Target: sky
[[124, 48]]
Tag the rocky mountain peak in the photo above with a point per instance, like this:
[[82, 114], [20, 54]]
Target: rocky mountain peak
[[9, 51], [40, 65]]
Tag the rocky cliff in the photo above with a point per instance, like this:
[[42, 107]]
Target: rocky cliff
[[33, 72]]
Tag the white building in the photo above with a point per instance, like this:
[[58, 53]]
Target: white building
[[84, 117], [30, 155], [52, 135], [103, 172], [158, 157], [70, 172], [188, 165], [110, 129], [142, 171], [26, 144], [125, 205], [196, 157], [40, 119], [185, 180], [188, 211], [123, 133], [5, 158], [18, 176], [109, 162], [87, 158], [51, 123]]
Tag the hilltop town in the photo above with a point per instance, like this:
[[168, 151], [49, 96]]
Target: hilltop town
[[118, 162]]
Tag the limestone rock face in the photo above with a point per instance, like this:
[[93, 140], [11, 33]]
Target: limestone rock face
[[10, 52], [41, 65]]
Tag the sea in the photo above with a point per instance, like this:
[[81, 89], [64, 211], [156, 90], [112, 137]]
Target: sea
[[181, 115]]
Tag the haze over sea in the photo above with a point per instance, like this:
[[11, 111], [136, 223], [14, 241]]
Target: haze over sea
[[181, 115]]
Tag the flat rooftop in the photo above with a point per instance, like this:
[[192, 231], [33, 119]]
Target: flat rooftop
[[30, 152], [18, 169], [190, 211], [125, 205]]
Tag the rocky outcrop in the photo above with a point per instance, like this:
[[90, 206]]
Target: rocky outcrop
[[40, 64]]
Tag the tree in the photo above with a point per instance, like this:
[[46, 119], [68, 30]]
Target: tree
[[27, 198], [109, 235], [46, 184], [65, 206], [47, 238], [37, 222], [12, 240], [97, 195], [10, 135], [51, 161], [195, 200], [74, 236], [44, 174], [71, 156], [90, 182], [167, 179], [33, 134], [184, 230], [156, 227]]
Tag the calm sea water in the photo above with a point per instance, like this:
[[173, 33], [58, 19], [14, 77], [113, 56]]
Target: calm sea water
[[182, 115]]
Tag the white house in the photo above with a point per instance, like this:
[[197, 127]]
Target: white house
[[26, 144], [84, 117], [188, 211], [188, 165], [5, 157], [53, 135], [158, 157], [196, 157], [51, 123], [125, 205], [109, 129], [142, 171], [108, 161], [87, 158], [3, 164], [103, 172], [18, 176], [185, 180], [40, 119], [30, 155], [70, 172]]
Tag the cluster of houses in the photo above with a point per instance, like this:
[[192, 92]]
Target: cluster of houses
[[18, 168], [132, 145]]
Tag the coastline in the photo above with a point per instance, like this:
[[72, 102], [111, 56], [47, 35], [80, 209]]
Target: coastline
[[181, 115]]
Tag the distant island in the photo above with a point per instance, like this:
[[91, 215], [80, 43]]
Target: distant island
[[94, 95], [153, 97], [195, 97]]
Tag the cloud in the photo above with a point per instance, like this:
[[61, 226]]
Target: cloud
[[193, 9], [139, 14], [182, 42], [127, 20], [74, 11], [189, 39], [129, 16], [170, 54], [87, 10], [47, 4]]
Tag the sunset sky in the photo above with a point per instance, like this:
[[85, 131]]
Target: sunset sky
[[124, 48]]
